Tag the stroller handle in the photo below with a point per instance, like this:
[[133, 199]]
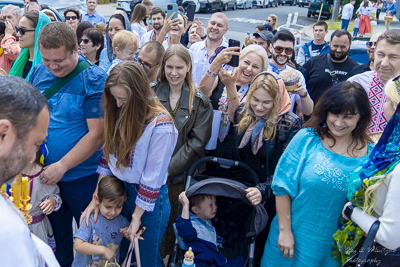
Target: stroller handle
[[224, 163]]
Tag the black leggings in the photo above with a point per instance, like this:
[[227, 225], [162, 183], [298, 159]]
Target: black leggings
[[378, 11]]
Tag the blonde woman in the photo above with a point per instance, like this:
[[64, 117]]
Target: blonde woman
[[273, 21], [375, 193]]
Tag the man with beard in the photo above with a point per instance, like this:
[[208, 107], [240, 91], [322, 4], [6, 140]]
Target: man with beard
[[150, 56], [157, 17], [386, 67], [282, 50], [204, 52], [370, 52], [24, 118], [322, 71]]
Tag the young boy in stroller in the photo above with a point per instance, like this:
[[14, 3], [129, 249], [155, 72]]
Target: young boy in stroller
[[193, 229]]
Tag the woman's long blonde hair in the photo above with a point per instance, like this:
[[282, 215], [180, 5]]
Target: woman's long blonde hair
[[183, 53], [275, 19], [269, 84], [124, 126], [392, 93], [370, 195]]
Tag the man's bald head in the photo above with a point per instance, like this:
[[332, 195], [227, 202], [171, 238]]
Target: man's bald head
[[217, 26], [372, 45]]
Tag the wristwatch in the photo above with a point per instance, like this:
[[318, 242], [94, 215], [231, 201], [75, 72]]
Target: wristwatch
[[348, 211]]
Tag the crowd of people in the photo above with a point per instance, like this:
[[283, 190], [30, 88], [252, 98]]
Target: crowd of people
[[105, 119]]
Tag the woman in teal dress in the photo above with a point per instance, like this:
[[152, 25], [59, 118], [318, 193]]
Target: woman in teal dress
[[311, 179]]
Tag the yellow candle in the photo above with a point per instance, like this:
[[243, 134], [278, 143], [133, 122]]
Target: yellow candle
[[3, 187], [25, 188], [16, 192]]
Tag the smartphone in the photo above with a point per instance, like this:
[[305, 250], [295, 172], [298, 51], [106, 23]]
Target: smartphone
[[191, 8], [235, 59], [248, 33], [171, 8]]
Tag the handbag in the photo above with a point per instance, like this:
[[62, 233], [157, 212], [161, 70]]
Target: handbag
[[133, 246], [361, 257]]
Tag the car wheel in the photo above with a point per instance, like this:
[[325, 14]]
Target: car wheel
[[309, 14], [225, 7], [328, 17], [208, 9], [234, 6]]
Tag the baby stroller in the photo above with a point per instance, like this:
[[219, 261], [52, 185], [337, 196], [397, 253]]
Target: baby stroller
[[234, 190]]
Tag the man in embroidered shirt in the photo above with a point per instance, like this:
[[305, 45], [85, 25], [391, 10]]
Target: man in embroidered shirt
[[205, 51], [282, 50], [157, 17], [317, 71], [347, 14], [387, 66], [92, 15], [316, 47], [75, 132], [24, 118]]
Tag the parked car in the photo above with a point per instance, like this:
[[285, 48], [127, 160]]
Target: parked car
[[315, 7], [287, 2], [226, 4], [187, 2], [265, 3], [303, 3], [358, 50], [128, 5], [245, 4], [209, 6]]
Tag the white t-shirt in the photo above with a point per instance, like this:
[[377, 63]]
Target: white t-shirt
[[347, 12]]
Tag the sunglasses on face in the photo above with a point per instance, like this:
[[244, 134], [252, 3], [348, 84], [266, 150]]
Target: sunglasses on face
[[22, 30], [279, 50], [85, 41], [72, 17], [145, 65], [370, 44]]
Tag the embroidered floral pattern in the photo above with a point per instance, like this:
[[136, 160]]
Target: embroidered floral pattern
[[331, 174]]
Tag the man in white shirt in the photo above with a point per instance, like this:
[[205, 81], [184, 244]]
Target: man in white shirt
[[157, 17], [204, 52], [24, 118], [347, 14], [92, 15], [387, 67]]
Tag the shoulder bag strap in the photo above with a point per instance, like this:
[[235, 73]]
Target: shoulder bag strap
[[335, 80], [368, 243], [55, 87]]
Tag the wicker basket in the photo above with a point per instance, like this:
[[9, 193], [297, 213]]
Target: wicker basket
[[388, 18]]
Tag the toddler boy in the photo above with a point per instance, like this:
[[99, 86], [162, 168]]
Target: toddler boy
[[194, 230], [125, 45], [100, 241]]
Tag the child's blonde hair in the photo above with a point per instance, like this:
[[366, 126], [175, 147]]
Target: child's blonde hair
[[124, 39], [147, 3], [102, 27], [358, 15]]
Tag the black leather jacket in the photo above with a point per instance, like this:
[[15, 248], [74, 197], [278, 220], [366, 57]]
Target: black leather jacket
[[194, 129], [267, 157]]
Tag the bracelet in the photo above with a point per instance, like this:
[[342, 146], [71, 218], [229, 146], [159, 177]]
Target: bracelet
[[211, 74], [304, 96], [204, 37], [232, 98]]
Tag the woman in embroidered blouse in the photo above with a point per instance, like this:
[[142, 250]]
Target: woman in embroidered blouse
[[140, 138], [137, 24], [311, 178], [192, 113], [365, 22], [374, 192], [227, 90]]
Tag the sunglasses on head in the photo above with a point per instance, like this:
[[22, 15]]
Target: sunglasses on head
[[72, 17], [85, 41], [288, 51], [22, 30], [370, 44]]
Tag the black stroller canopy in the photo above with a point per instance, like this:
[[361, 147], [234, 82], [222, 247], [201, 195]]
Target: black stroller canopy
[[232, 189]]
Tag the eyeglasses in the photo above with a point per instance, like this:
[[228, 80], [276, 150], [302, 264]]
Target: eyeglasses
[[145, 65], [288, 51], [370, 44], [72, 17], [22, 30], [85, 41]]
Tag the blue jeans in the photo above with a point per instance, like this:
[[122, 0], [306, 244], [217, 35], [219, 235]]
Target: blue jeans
[[345, 24], [76, 196], [156, 222], [355, 32]]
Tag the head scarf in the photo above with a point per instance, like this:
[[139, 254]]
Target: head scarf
[[110, 52], [255, 131], [19, 64], [382, 160]]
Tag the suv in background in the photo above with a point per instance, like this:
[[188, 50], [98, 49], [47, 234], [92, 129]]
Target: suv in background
[[315, 7], [265, 3], [229, 4]]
